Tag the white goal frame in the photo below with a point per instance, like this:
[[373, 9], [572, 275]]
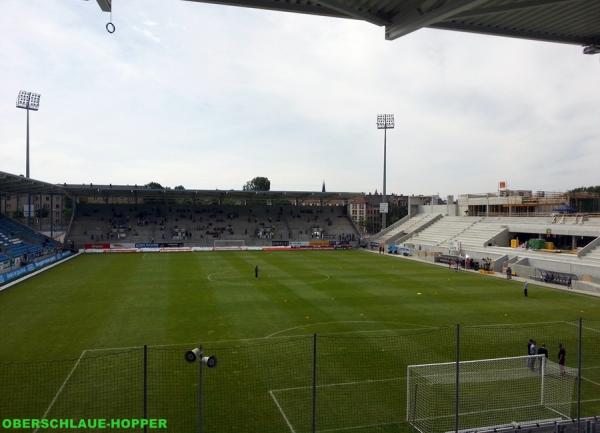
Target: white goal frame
[[229, 245], [543, 367]]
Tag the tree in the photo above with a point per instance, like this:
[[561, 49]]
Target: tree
[[258, 184], [154, 185], [592, 189], [179, 188]]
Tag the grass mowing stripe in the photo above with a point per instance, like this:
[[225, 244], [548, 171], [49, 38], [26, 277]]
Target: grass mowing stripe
[[111, 302]]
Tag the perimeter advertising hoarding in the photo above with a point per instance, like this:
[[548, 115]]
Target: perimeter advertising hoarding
[[96, 246]]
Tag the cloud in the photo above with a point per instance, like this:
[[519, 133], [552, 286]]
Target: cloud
[[210, 96]]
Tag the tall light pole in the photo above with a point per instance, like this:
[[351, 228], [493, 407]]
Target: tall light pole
[[385, 122], [28, 101]]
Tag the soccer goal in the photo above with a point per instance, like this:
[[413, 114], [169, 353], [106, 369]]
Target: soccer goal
[[229, 245], [493, 393]]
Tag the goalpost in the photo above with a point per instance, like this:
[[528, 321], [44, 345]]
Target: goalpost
[[493, 393], [229, 245]]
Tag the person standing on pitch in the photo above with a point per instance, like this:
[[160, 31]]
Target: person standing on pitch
[[532, 351], [256, 271], [525, 286], [562, 355], [542, 351]]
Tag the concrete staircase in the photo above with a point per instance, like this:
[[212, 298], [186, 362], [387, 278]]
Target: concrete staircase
[[406, 227]]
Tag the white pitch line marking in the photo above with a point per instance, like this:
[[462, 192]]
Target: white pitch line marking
[[359, 426], [587, 328], [329, 385], [287, 421], [590, 381], [233, 277], [101, 349], [357, 332], [339, 322], [555, 322], [62, 387]]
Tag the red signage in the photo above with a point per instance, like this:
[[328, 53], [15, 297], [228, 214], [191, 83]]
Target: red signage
[[96, 246]]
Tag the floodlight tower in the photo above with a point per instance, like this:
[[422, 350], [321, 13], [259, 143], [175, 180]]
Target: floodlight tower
[[28, 101], [385, 122]]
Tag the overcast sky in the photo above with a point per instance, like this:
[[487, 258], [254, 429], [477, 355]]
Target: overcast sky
[[210, 96]]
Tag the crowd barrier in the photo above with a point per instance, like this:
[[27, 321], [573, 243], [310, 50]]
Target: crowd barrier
[[17, 273]]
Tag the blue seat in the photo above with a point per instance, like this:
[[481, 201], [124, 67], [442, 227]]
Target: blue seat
[[28, 241]]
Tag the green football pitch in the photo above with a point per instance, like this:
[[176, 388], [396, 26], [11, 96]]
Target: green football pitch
[[72, 337]]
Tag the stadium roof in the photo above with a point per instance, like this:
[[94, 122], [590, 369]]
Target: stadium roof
[[18, 184], [15, 184], [158, 193], [564, 21]]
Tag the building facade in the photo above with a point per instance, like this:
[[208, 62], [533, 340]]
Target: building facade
[[364, 211], [46, 209]]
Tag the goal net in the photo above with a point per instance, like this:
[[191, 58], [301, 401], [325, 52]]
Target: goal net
[[234, 245], [492, 393]]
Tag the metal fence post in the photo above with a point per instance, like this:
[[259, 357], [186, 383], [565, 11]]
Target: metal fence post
[[457, 394], [200, 417], [145, 386], [314, 385], [579, 365]]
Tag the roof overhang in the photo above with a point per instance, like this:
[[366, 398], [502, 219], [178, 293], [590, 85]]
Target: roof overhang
[[563, 21], [18, 184], [90, 190]]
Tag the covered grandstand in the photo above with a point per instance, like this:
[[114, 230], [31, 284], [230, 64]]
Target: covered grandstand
[[83, 214], [24, 248], [132, 215]]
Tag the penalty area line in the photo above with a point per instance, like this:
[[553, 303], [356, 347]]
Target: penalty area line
[[267, 338], [360, 427], [590, 381], [287, 421], [60, 390], [329, 385], [587, 328]]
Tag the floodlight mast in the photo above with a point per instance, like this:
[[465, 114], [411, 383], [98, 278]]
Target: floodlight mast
[[385, 122], [28, 101]]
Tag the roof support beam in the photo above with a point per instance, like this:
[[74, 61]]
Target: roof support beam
[[521, 34], [411, 19], [528, 4], [285, 6], [105, 5], [351, 12]]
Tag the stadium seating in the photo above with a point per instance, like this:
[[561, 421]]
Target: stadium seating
[[477, 235], [202, 225], [407, 227], [443, 231], [20, 241], [593, 256], [489, 236]]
